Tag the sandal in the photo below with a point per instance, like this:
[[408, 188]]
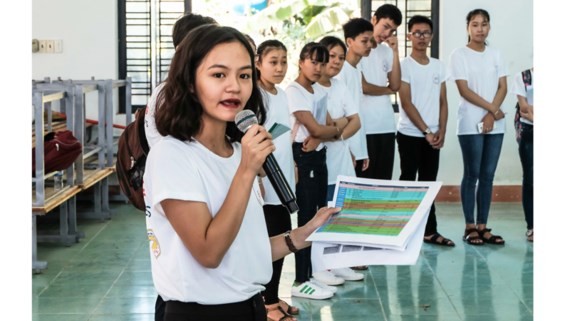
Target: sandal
[[285, 316], [293, 310], [442, 240], [493, 239], [472, 239], [360, 268], [530, 235]]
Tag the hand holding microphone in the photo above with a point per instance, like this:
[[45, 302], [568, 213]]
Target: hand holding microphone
[[245, 119], [256, 146]]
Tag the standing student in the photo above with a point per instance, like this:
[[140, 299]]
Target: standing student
[[381, 78], [339, 159], [339, 105], [208, 243], [307, 106], [481, 78], [423, 117], [358, 38], [271, 65], [524, 90]]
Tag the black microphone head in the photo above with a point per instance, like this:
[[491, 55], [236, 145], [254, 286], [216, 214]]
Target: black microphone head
[[245, 119]]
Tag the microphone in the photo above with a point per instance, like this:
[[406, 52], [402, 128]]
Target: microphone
[[244, 120]]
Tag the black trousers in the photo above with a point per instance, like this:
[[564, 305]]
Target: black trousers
[[381, 149], [159, 307], [311, 195], [251, 309], [278, 221], [418, 160]]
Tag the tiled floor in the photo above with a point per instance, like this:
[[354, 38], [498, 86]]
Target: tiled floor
[[106, 276]]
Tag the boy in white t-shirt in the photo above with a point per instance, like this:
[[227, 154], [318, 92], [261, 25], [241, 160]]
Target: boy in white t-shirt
[[358, 38], [423, 117], [381, 78]]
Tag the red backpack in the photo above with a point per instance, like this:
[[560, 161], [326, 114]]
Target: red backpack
[[131, 159], [61, 149]]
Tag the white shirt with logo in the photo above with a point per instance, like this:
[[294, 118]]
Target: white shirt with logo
[[425, 86]]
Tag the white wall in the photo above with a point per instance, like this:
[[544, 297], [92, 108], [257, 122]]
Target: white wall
[[88, 30], [512, 33]]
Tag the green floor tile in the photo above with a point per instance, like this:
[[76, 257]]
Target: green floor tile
[[107, 277]]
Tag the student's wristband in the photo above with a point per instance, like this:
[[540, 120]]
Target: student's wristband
[[289, 242]]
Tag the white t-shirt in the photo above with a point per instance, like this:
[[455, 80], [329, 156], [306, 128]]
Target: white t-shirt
[[150, 131], [352, 79], [299, 99], [482, 71], [377, 112], [519, 89], [339, 104], [425, 86], [189, 171], [278, 112]]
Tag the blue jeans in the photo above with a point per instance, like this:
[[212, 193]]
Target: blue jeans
[[311, 195], [480, 158], [525, 153]]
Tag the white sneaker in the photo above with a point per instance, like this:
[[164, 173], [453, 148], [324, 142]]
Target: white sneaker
[[323, 286], [348, 274], [328, 278], [310, 291]]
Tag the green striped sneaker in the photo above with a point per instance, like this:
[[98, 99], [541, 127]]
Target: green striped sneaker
[[310, 290]]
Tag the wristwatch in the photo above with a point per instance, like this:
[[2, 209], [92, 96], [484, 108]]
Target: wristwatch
[[427, 131]]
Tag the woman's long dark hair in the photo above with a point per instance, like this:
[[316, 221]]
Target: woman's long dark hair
[[179, 112]]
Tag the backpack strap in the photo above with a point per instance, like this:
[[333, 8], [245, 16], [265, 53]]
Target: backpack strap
[[526, 78], [139, 119]]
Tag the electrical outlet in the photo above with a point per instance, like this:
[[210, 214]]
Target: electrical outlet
[[49, 46], [43, 46], [58, 46]]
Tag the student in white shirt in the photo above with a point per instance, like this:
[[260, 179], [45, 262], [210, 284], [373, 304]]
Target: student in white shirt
[[308, 109], [358, 38], [208, 243], [523, 88], [339, 159], [271, 66], [381, 79], [423, 116], [481, 78]]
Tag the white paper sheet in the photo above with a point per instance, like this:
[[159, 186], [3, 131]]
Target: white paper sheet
[[332, 256]]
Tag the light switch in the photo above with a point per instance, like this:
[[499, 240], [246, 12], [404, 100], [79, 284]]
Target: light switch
[[35, 45]]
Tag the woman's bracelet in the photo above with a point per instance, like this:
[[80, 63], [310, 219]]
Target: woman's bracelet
[[289, 242]]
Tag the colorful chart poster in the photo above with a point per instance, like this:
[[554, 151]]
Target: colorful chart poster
[[377, 213]]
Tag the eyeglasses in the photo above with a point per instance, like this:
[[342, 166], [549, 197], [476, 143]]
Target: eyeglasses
[[425, 34]]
